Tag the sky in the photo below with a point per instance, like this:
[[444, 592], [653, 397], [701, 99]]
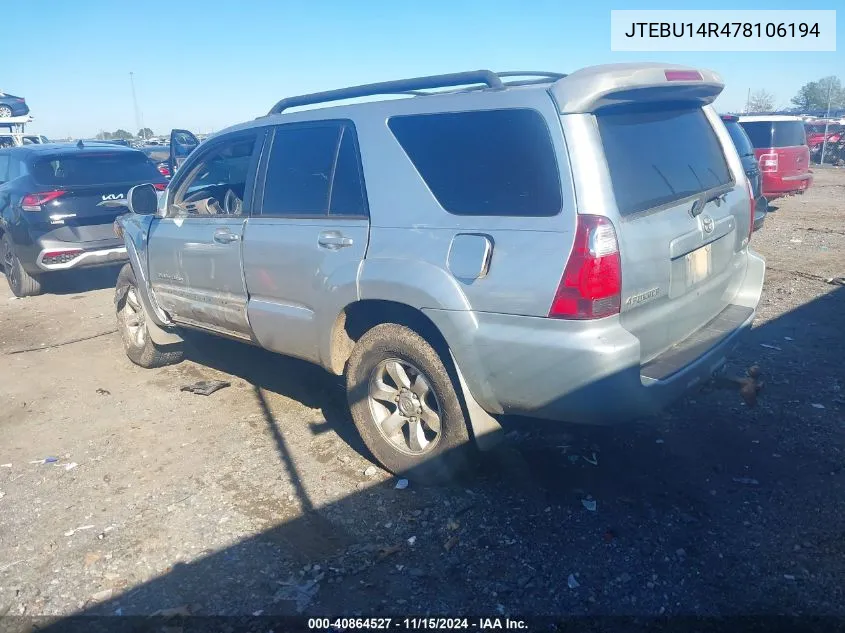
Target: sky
[[207, 65]]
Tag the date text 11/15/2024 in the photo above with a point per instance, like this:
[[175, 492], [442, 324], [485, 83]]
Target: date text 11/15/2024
[[416, 624], [723, 29]]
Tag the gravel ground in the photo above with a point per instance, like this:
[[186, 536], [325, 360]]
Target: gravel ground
[[259, 498]]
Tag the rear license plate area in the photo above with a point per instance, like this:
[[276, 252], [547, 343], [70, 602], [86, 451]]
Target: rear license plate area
[[699, 264]]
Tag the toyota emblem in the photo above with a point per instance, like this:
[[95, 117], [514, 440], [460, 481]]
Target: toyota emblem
[[707, 223]]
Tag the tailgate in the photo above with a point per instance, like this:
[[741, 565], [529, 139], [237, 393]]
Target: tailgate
[[684, 219], [79, 215], [793, 162]]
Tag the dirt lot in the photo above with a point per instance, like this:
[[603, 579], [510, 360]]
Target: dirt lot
[[255, 499]]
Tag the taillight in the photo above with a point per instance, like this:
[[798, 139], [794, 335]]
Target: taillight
[[60, 257], [34, 201], [768, 162], [752, 206], [591, 285], [160, 186], [682, 75], [164, 170]]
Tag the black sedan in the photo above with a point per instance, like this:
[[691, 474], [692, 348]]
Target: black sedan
[[10, 106]]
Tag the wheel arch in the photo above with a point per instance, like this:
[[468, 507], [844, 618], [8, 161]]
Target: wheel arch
[[360, 316]]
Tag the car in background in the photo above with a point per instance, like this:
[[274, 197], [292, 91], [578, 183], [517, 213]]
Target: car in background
[[817, 130], [16, 139], [10, 106], [57, 207], [159, 154], [780, 144], [749, 163]]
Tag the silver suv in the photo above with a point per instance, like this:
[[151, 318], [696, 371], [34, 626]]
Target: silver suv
[[566, 247]]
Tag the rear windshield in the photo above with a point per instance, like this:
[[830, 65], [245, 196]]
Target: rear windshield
[[765, 134], [487, 162], [656, 158], [94, 169], [740, 138]]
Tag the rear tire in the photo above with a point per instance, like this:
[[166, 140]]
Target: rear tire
[[21, 283], [398, 418], [5, 112], [132, 325]]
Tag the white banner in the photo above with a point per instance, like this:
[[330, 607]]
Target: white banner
[[729, 30]]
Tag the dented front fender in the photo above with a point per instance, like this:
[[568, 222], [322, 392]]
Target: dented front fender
[[136, 230]]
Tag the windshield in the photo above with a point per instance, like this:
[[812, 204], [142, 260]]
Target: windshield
[[765, 134], [658, 157]]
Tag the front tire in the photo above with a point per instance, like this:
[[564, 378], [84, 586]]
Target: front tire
[[21, 283], [405, 405], [5, 112], [132, 325]]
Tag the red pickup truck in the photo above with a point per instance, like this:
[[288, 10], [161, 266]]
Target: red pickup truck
[[780, 144]]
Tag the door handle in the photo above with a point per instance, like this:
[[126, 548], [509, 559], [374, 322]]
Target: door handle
[[225, 236], [334, 240]]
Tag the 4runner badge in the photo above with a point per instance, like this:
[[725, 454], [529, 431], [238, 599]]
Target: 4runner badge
[[643, 297]]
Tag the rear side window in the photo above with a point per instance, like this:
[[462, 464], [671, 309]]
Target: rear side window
[[94, 169], [488, 162], [765, 134], [314, 171], [4, 168], [658, 157], [740, 138]]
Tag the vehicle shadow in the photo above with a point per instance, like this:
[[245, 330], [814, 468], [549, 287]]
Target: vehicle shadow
[[299, 380], [698, 509], [68, 282]]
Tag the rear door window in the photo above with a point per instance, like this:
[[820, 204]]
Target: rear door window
[[659, 157], [314, 171], [105, 168], [488, 162]]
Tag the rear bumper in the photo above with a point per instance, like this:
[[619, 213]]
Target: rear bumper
[[775, 186], [36, 257], [588, 373]]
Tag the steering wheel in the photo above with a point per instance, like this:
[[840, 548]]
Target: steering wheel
[[232, 205]]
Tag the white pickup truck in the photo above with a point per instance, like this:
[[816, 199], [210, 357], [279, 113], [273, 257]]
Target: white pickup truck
[[12, 132]]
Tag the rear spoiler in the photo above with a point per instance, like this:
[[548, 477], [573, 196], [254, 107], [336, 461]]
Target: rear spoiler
[[598, 87]]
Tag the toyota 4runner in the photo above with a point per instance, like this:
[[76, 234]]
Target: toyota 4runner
[[565, 247]]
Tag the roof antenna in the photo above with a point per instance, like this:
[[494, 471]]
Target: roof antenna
[[79, 144]]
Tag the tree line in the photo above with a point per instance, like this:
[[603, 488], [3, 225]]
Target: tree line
[[812, 96], [145, 133]]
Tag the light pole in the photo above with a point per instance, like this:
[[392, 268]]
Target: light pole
[[135, 101], [826, 122]]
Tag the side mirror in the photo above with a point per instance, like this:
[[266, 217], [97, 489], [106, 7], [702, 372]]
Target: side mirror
[[143, 199]]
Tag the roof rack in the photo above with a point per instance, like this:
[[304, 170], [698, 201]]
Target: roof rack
[[401, 86], [536, 77], [532, 73]]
